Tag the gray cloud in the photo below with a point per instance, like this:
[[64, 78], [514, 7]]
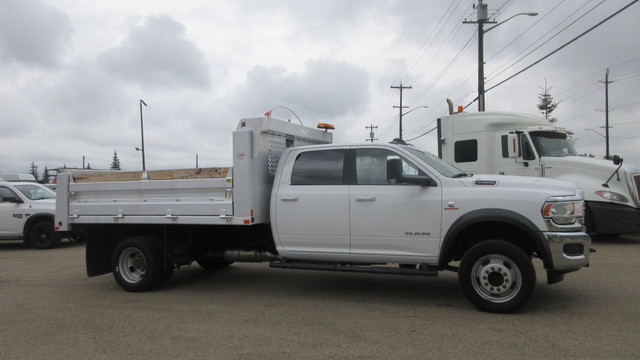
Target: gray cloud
[[326, 88], [158, 53], [32, 33]]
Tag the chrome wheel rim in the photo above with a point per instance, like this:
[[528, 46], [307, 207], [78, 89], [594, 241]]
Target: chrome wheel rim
[[132, 265], [496, 278]]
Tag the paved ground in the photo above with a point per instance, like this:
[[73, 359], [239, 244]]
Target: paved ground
[[49, 309]]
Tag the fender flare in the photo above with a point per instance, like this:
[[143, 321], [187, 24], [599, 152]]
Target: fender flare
[[33, 219], [495, 215]]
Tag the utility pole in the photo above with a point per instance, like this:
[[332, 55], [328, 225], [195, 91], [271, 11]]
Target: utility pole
[[144, 166], [606, 111], [371, 134], [483, 18], [400, 107]]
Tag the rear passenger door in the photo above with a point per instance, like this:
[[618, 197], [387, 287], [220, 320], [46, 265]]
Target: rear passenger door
[[312, 206]]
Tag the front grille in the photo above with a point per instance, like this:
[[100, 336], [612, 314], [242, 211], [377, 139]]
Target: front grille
[[573, 249], [635, 179]]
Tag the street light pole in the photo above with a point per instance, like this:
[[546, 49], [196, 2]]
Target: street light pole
[[483, 18], [144, 167]]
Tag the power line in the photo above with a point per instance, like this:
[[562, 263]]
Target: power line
[[561, 47], [545, 42]]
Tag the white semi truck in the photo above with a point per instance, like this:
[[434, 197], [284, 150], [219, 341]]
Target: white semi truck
[[510, 143], [297, 201]]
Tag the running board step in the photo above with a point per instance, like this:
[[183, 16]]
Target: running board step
[[422, 270]]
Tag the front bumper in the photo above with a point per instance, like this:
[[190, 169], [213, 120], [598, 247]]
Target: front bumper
[[613, 218], [569, 250]]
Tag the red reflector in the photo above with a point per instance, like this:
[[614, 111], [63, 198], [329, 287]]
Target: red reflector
[[247, 222]]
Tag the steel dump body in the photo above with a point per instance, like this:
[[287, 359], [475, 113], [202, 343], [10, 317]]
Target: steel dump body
[[211, 196]]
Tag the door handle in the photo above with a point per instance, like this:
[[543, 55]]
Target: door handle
[[366, 198], [289, 198]]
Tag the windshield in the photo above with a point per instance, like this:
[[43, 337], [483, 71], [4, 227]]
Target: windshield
[[435, 162], [36, 192], [552, 144]]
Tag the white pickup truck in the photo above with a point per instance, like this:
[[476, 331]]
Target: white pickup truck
[[26, 213], [299, 202]]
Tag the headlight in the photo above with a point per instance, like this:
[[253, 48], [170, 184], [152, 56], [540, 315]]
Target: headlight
[[613, 196], [563, 212]]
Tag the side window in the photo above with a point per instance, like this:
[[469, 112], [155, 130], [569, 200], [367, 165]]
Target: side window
[[323, 167], [466, 151], [527, 150], [372, 166], [5, 192], [505, 146]]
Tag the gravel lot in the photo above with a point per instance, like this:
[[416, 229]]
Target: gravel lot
[[50, 309]]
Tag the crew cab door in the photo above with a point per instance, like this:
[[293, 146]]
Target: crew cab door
[[12, 215], [311, 205], [391, 219]]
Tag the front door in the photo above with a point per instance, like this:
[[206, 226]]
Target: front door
[[391, 219], [11, 214]]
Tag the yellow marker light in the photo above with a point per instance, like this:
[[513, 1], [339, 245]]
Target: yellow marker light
[[326, 126]]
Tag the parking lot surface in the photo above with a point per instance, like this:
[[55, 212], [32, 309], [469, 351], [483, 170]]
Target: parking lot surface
[[50, 309]]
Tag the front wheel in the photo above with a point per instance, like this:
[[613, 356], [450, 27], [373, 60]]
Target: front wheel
[[497, 276], [42, 236], [137, 264]]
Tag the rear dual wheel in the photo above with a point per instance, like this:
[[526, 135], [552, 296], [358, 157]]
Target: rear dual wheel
[[137, 264], [497, 276]]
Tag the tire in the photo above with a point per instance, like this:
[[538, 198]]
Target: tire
[[42, 236], [497, 276], [137, 264]]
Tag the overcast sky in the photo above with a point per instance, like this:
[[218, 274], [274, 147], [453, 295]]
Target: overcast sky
[[72, 73]]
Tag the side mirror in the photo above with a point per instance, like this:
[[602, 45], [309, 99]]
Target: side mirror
[[394, 175], [394, 171], [513, 146], [617, 160]]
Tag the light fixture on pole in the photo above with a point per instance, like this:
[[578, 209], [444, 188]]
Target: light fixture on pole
[[483, 18], [403, 114], [144, 167]]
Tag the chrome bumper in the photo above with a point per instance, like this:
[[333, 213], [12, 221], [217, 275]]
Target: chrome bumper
[[569, 250]]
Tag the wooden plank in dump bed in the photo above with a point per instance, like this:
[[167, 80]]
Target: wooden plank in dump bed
[[204, 173]]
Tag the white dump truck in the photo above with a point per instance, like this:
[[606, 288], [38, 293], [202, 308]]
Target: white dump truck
[[509, 143], [297, 201]]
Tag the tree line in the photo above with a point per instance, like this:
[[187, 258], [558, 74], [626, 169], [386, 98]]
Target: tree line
[[46, 175]]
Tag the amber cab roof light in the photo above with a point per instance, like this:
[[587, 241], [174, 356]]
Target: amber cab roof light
[[326, 126]]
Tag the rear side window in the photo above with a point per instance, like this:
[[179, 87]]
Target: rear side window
[[323, 167], [466, 151]]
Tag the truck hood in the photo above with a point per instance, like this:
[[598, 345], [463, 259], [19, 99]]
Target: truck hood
[[43, 204], [591, 174], [552, 186], [583, 165]]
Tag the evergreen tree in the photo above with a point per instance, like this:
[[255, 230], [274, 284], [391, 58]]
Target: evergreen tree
[[34, 170], [45, 176], [546, 105], [115, 163]]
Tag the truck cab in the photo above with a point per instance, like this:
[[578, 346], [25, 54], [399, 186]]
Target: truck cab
[[509, 143]]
